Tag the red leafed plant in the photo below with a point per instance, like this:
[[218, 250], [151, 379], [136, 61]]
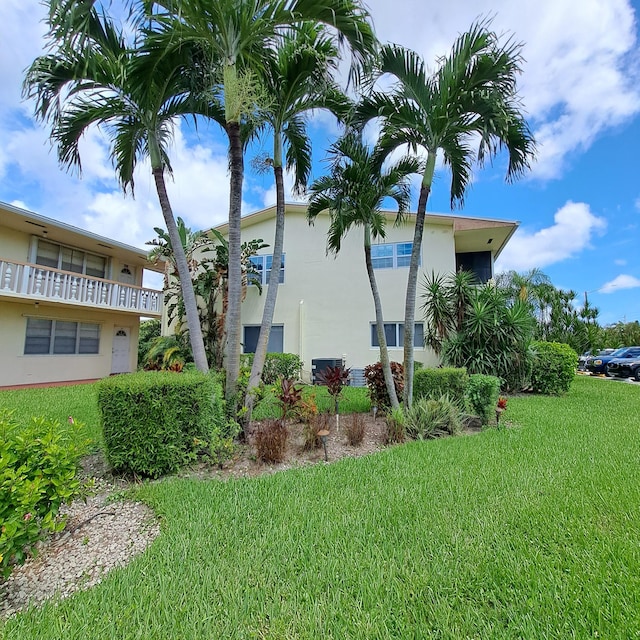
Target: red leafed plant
[[290, 396], [335, 378], [502, 403]]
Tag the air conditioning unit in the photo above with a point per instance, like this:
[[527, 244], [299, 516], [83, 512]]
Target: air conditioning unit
[[320, 364]]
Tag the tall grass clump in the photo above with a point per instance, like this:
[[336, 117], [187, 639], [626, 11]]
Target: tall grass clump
[[432, 417]]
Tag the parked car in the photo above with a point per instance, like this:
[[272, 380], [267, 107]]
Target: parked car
[[627, 366], [582, 360], [598, 364]]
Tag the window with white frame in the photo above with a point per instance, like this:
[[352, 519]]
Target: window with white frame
[[276, 339], [50, 254], [61, 337], [394, 334], [391, 256], [263, 265]]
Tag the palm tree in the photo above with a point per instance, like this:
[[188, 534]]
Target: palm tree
[[353, 193], [235, 38], [472, 96], [297, 77], [92, 78]]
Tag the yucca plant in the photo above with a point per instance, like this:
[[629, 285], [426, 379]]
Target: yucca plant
[[432, 418]]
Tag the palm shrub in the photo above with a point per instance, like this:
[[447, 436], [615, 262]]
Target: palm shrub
[[482, 396], [433, 417], [555, 367]]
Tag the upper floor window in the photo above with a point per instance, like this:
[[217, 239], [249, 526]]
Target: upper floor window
[[394, 334], [54, 255], [478, 262], [263, 265], [60, 337], [391, 256]]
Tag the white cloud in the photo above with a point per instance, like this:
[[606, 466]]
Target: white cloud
[[578, 78], [574, 225], [622, 281]]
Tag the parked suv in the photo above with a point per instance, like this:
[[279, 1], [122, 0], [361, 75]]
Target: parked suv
[[625, 366], [582, 360], [599, 364]]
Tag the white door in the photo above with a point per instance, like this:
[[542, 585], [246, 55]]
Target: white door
[[120, 350]]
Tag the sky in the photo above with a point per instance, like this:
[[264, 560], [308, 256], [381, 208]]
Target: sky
[[578, 207]]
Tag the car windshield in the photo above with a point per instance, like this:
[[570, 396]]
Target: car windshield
[[618, 352]]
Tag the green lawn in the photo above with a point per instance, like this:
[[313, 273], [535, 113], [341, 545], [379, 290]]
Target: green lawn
[[530, 532]]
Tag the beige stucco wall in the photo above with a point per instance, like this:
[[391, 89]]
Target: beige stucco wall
[[14, 245], [17, 368], [325, 303]]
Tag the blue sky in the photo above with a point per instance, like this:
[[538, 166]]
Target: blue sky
[[579, 208]]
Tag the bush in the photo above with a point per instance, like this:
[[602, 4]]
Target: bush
[[395, 420], [38, 473], [434, 383], [378, 389], [319, 422], [554, 367], [149, 329], [433, 417], [482, 395], [355, 429], [156, 422], [276, 365], [271, 441]]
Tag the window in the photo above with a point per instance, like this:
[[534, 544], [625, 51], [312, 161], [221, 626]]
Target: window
[[59, 337], [57, 256], [391, 256], [276, 339], [394, 334], [263, 266], [478, 262]]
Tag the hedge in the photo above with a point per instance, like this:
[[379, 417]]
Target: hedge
[[435, 383], [554, 367]]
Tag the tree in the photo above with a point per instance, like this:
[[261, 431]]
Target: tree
[[353, 194], [298, 78], [470, 98], [234, 38], [93, 78]]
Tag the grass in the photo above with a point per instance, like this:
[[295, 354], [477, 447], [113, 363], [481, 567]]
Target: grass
[[526, 532]]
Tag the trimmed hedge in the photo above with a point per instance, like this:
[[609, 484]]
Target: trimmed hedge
[[554, 367], [435, 383], [276, 365], [155, 422], [482, 395]]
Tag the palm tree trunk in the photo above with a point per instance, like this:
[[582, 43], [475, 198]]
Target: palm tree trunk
[[186, 284], [412, 280], [272, 291], [382, 340], [235, 272]]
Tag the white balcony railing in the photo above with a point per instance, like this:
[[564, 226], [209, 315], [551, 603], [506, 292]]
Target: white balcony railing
[[34, 281]]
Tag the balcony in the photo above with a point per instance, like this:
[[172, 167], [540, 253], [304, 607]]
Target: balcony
[[34, 282]]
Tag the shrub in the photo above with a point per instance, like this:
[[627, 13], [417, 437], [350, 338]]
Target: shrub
[[434, 383], [319, 422], [554, 368], [149, 329], [378, 389], [482, 395], [335, 378], [395, 420], [355, 429], [433, 417], [289, 396], [38, 473], [271, 441], [276, 365], [156, 422]]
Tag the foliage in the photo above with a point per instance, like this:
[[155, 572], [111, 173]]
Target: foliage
[[335, 379], [276, 365], [482, 395], [485, 332], [374, 376], [166, 353], [271, 441], [355, 429], [554, 368], [156, 422], [149, 329], [319, 422], [430, 417], [289, 396], [396, 426], [38, 473], [620, 334], [433, 383]]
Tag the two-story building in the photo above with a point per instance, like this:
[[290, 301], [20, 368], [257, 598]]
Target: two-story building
[[70, 301], [325, 308]]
